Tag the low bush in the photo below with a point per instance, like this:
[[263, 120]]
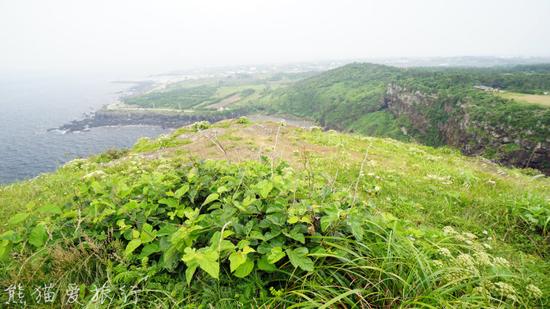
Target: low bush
[[249, 234]]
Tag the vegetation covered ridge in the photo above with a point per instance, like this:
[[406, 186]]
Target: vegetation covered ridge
[[238, 214], [461, 107]]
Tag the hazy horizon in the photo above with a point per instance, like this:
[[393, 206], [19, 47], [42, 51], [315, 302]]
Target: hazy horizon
[[144, 37]]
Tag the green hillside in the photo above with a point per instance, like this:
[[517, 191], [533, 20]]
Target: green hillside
[[433, 106], [240, 214]]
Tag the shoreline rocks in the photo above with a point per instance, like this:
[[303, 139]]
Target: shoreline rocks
[[106, 117]]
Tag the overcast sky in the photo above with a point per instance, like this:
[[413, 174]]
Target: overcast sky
[[155, 36]]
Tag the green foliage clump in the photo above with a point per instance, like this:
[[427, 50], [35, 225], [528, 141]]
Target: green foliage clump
[[243, 120], [110, 155], [271, 235], [145, 144], [201, 125], [380, 123]]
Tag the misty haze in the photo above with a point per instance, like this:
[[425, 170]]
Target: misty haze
[[275, 154]]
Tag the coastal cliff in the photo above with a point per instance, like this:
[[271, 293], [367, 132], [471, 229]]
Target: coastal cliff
[[442, 120]]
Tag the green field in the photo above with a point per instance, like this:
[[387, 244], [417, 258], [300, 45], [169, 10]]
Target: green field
[[539, 99], [213, 93]]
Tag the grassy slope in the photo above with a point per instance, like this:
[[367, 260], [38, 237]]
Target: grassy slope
[[540, 99], [417, 189]]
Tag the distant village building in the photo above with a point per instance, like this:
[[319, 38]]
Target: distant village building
[[487, 88]]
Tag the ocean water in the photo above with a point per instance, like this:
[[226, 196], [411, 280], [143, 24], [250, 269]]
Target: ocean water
[[31, 106]]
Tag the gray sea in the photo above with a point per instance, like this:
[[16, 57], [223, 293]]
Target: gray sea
[[29, 106]]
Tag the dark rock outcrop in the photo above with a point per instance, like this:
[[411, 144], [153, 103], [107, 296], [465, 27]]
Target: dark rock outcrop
[[105, 117]]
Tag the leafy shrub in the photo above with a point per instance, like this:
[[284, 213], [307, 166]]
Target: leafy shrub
[[201, 125], [110, 155], [284, 238], [243, 120]]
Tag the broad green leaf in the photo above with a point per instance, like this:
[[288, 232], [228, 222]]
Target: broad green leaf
[[236, 259], [132, 246], [9, 236], [182, 190], [209, 199], [147, 234], [38, 236], [264, 188], [167, 229], [248, 201], [208, 261], [192, 174], [131, 205], [219, 243], [225, 245], [274, 209], [293, 220], [149, 249], [205, 258], [97, 187], [50, 209], [222, 189], [296, 234], [189, 273], [244, 269], [172, 202], [122, 190], [246, 249], [5, 248], [18, 218], [305, 219], [191, 213], [325, 223], [256, 235], [298, 258], [331, 216], [356, 228], [264, 265], [243, 243], [275, 255], [272, 234], [170, 258]]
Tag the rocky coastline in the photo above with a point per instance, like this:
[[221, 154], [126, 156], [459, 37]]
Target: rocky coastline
[[165, 119]]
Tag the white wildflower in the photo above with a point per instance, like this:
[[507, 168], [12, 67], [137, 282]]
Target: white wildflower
[[461, 238], [437, 263], [445, 252], [534, 291], [504, 289], [500, 261], [465, 260], [482, 259], [95, 174], [481, 291], [467, 264], [448, 230]]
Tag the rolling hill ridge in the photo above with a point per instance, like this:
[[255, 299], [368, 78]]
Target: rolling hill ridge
[[432, 106]]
